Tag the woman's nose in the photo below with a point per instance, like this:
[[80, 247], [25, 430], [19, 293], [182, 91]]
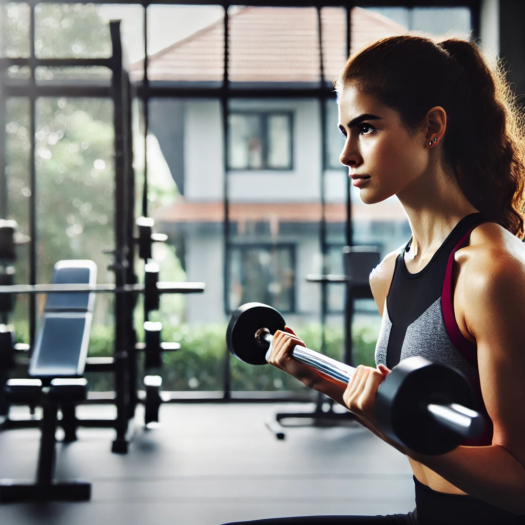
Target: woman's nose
[[350, 157]]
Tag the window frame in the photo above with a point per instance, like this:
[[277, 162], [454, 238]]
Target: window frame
[[264, 115]]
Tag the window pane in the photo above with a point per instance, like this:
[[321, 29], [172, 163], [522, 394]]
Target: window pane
[[17, 172], [369, 25], [75, 197], [263, 274], [279, 141], [185, 43], [333, 21], [438, 21], [441, 21], [274, 44], [74, 160], [14, 30], [185, 168], [246, 142], [82, 30]]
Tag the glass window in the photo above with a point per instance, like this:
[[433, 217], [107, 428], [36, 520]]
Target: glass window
[[260, 141], [14, 30], [17, 150], [185, 44], [432, 20], [273, 45], [82, 31], [263, 273], [75, 181]]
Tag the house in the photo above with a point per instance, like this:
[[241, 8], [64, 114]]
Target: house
[[275, 161]]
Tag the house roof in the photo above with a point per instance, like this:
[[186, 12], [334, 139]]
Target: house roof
[[269, 44], [296, 212]]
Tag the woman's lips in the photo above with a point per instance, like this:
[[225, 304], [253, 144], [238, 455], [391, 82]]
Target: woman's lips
[[359, 180]]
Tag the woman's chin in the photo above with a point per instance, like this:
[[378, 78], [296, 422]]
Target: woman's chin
[[370, 197]]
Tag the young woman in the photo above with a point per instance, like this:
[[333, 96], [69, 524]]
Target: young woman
[[432, 124]]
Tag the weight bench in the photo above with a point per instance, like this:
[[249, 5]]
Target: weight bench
[[55, 370]]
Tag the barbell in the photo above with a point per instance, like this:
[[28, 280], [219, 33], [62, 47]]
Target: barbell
[[422, 405]]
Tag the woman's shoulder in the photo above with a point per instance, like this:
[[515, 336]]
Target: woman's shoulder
[[381, 277], [493, 253]]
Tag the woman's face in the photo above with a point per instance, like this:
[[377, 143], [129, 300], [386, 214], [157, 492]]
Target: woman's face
[[384, 157]]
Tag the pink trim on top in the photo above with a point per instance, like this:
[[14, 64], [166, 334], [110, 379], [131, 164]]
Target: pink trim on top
[[467, 349]]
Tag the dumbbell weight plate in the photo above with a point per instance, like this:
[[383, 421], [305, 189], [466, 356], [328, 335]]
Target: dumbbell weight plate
[[404, 395], [244, 324]]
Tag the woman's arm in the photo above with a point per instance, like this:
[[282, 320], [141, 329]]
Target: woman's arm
[[495, 316], [281, 357]]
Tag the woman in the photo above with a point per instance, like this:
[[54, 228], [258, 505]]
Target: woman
[[430, 123]]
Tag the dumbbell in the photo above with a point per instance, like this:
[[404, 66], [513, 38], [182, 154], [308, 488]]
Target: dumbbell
[[422, 405]]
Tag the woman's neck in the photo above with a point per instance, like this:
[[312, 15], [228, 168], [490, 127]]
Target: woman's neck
[[434, 204]]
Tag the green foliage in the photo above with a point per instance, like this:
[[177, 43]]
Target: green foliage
[[79, 30]]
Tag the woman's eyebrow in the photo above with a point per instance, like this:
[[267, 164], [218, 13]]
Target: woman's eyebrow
[[361, 118]]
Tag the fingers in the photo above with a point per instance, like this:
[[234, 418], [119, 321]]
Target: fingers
[[384, 370], [281, 348], [361, 392]]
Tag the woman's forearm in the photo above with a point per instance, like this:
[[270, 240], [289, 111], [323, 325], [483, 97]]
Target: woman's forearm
[[335, 390], [490, 473]]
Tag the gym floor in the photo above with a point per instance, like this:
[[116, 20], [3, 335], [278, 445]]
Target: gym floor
[[209, 464]]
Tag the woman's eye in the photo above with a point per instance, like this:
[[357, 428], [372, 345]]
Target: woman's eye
[[366, 129]]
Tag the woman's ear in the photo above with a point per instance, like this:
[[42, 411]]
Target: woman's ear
[[436, 125]]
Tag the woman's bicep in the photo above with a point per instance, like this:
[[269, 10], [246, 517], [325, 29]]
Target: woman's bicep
[[496, 318]]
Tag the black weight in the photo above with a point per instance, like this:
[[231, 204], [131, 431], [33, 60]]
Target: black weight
[[7, 301], [145, 226], [404, 395], [243, 326], [153, 349], [151, 295], [7, 240], [153, 399], [7, 349]]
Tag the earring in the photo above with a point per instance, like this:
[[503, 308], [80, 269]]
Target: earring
[[430, 143]]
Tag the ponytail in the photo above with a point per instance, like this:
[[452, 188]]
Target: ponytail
[[484, 144]]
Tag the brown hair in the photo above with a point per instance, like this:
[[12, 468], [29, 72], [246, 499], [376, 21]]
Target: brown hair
[[484, 144]]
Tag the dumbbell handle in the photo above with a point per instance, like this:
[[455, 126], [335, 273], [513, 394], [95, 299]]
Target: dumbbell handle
[[466, 422]]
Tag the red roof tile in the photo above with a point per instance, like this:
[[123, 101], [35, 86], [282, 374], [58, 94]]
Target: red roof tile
[[270, 44]]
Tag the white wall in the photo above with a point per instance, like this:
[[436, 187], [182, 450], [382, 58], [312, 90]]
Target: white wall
[[204, 262], [204, 171]]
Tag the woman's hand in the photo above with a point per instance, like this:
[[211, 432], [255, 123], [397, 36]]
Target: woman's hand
[[280, 356], [360, 394]]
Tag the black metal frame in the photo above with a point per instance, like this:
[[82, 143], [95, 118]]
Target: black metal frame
[[145, 90]]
